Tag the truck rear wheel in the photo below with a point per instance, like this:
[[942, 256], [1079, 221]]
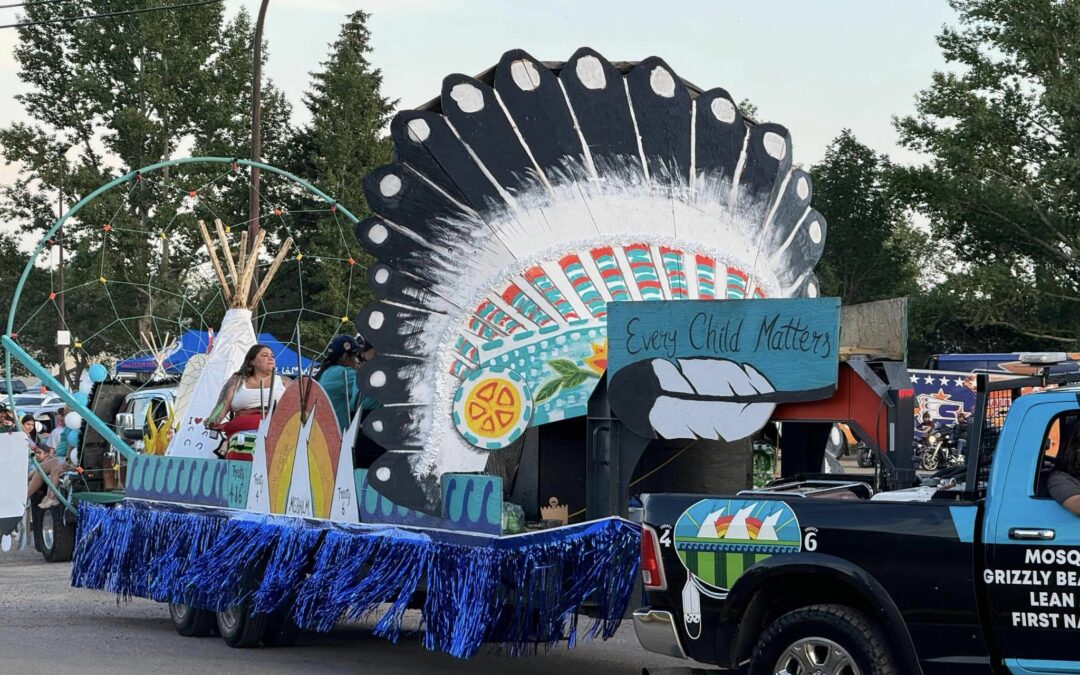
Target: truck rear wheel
[[822, 640], [239, 627], [57, 534], [281, 630], [191, 621]]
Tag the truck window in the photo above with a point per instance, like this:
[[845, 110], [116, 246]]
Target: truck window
[[160, 408], [1061, 427]]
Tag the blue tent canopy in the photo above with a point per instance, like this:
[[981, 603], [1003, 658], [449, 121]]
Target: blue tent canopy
[[196, 341]]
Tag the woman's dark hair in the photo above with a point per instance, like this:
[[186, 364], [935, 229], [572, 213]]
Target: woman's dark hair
[[332, 359], [247, 368]]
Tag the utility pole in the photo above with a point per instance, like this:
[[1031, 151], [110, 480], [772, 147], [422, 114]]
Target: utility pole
[[61, 350], [256, 132], [256, 124]]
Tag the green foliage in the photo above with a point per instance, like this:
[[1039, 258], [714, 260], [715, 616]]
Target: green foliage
[[36, 334], [344, 141], [107, 97], [873, 253], [1002, 134]]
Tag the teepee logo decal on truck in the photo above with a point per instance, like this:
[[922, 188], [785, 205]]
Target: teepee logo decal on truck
[[718, 539]]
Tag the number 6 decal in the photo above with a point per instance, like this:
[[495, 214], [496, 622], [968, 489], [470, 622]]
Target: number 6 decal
[[810, 540]]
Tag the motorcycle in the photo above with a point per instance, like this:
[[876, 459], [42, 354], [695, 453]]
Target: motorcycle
[[939, 450]]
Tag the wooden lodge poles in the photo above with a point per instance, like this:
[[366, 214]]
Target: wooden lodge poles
[[241, 269]]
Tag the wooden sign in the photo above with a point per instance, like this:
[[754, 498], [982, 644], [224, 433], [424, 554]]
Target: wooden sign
[[716, 369]]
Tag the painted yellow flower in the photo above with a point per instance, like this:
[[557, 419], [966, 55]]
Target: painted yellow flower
[[598, 361]]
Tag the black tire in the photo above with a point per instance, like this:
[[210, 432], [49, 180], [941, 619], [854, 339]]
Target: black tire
[[57, 534], [824, 634], [281, 630], [240, 628], [191, 621], [931, 459]]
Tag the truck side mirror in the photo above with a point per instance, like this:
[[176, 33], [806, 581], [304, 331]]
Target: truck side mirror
[[125, 421], [133, 434]]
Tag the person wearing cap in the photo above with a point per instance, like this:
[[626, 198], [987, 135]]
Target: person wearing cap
[[339, 376]]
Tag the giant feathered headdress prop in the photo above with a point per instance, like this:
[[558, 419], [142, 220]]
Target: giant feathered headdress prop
[[512, 215]]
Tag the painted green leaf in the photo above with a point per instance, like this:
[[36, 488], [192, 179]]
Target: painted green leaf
[[550, 388], [575, 380], [564, 367]]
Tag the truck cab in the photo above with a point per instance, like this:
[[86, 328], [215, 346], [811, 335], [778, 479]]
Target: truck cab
[[972, 571], [141, 407]]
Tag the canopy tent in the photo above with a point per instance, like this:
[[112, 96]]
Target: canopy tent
[[197, 342]]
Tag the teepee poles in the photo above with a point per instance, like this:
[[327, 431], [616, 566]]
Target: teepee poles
[[284, 251], [227, 251], [215, 262], [241, 269]]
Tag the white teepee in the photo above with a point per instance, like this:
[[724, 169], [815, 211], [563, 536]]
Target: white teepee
[[234, 339]]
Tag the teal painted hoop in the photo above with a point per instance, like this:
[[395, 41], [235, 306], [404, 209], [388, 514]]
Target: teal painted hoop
[[9, 341]]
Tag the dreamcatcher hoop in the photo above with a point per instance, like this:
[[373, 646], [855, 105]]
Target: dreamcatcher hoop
[[133, 175]]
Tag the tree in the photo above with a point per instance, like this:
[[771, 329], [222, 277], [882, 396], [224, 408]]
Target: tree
[[344, 141], [872, 253], [106, 97], [36, 333], [1002, 133]]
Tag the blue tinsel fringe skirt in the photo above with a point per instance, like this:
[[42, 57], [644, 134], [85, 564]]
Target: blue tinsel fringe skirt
[[520, 591]]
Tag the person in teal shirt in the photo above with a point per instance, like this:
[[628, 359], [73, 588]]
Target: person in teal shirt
[[339, 376]]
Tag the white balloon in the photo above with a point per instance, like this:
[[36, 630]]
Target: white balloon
[[73, 421], [85, 386]]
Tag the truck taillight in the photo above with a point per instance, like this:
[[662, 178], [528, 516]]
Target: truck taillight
[[652, 571]]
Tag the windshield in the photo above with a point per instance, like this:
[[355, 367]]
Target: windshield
[[30, 399]]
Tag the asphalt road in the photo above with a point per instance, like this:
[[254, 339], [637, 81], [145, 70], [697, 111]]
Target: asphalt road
[[48, 627]]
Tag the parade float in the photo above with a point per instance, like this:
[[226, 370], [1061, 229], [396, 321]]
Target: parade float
[[518, 207]]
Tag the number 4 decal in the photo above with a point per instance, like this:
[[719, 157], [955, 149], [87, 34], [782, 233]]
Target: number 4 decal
[[665, 536]]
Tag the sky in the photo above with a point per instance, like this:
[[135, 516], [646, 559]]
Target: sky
[[815, 67]]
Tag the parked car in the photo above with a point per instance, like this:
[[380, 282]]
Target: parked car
[[37, 400], [17, 386]]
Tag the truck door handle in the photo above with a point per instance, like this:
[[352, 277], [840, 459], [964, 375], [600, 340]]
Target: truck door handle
[[1041, 534]]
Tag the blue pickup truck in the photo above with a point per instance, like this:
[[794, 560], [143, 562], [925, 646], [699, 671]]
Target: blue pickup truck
[[976, 570]]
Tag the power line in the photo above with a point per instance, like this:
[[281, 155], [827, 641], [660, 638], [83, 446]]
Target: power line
[[32, 2], [105, 15]]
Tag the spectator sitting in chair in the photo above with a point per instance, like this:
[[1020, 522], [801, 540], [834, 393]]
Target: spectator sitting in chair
[[54, 467], [30, 428], [53, 441]]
